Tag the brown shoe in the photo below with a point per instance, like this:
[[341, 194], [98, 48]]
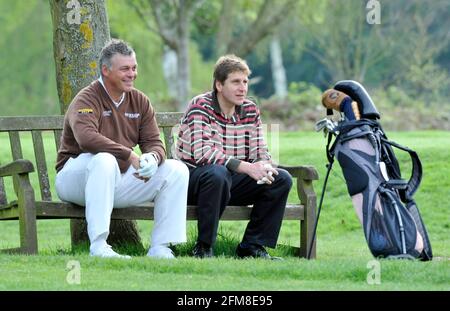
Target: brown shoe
[[332, 99]]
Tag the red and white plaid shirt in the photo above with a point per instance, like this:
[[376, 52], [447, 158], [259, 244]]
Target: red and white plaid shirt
[[206, 136]]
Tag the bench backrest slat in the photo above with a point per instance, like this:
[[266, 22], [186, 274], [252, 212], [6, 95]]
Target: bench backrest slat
[[3, 200], [168, 119], [30, 123], [168, 140], [41, 165], [16, 147], [57, 134]]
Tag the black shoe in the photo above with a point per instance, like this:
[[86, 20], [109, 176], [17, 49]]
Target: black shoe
[[253, 250], [202, 250]]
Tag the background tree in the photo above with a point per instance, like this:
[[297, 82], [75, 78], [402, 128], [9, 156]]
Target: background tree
[[27, 83], [80, 30], [418, 55], [411, 47], [173, 20], [239, 27], [256, 26], [267, 37], [278, 71], [345, 43]]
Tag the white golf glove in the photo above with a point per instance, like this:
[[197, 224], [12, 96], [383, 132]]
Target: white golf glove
[[265, 180], [148, 165]]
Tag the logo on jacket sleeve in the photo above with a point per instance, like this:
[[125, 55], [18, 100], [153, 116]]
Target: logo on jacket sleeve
[[85, 111]]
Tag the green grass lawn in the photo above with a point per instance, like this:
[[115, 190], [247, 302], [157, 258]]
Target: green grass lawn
[[343, 259]]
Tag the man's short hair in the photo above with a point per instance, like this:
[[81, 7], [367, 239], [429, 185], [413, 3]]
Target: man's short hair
[[227, 64], [113, 47]]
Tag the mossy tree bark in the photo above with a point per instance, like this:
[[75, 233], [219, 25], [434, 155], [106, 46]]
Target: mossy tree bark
[[80, 30]]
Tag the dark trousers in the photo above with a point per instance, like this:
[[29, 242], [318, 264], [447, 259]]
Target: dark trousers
[[213, 187]]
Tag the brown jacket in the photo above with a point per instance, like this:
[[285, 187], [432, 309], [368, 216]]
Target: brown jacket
[[94, 124]]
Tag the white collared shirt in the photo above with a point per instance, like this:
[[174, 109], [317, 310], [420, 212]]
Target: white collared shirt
[[115, 103]]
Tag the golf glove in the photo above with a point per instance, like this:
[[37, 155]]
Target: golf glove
[[148, 165]]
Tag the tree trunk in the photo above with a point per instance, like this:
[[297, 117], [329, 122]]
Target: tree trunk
[[270, 15], [80, 30], [173, 26], [278, 71], [169, 64], [184, 78], [225, 29]]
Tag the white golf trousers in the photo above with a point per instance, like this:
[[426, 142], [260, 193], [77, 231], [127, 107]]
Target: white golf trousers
[[95, 181]]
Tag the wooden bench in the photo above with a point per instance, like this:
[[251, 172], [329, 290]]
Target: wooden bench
[[26, 207]]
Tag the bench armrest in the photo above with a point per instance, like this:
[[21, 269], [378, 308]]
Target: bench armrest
[[16, 167], [305, 175], [302, 172], [25, 208]]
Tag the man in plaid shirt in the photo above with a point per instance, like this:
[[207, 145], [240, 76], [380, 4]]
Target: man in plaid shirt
[[221, 142]]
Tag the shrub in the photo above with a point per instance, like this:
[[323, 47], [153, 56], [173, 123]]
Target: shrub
[[302, 108]]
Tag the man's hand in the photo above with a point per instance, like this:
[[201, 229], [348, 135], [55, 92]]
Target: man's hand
[[265, 180], [134, 159], [261, 171], [148, 165]]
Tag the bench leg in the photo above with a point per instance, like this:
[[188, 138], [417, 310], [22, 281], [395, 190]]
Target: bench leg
[[27, 215], [308, 199], [306, 233]]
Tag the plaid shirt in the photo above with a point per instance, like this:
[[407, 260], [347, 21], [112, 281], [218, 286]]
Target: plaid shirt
[[207, 137]]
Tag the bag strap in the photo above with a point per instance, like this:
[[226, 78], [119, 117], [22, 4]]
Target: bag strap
[[416, 174], [372, 126], [400, 184], [346, 126]]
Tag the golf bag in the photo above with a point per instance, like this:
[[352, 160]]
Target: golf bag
[[382, 200]]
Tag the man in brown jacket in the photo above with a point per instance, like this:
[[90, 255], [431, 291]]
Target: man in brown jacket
[[98, 168]]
